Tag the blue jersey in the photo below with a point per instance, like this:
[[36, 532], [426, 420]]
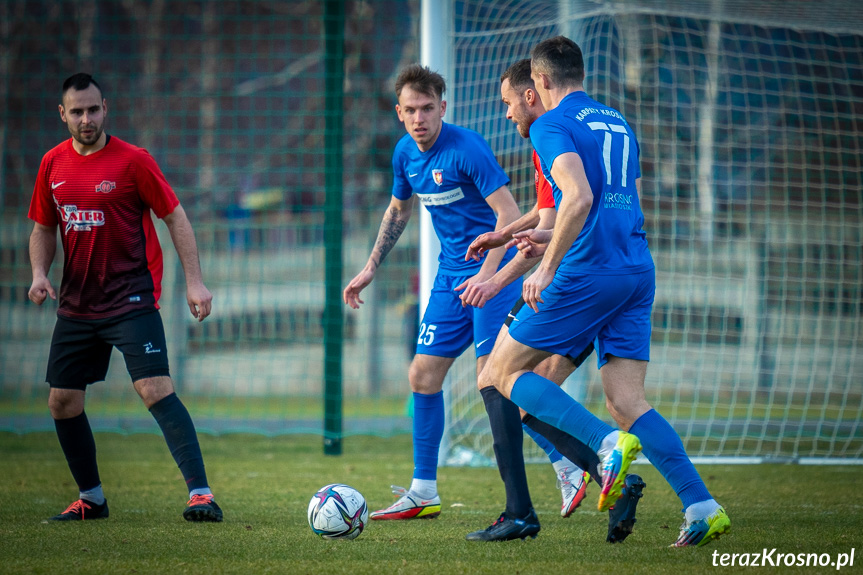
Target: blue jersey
[[612, 240], [451, 180]]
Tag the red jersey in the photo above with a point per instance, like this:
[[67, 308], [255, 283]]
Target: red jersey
[[112, 260], [544, 196]]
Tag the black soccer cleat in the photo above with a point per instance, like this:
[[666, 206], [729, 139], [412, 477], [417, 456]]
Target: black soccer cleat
[[506, 529], [202, 508], [621, 517], [83, 510]]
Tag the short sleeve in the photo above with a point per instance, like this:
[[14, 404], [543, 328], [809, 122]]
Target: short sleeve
[[153, 187], [401, 188], [42, 208], [481, 167], [551, 139], [544, 195]]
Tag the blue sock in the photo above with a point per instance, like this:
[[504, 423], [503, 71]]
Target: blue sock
[[553, 454], [428, 432], [549, 403], [182, 439], [662, 446]]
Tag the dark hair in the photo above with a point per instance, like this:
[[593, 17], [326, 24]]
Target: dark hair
[[79, 81], [560, 59], [421, 79], [518, 75]]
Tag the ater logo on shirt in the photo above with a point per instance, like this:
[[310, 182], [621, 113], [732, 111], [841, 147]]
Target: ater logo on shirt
[[80, 220], [106, 186]]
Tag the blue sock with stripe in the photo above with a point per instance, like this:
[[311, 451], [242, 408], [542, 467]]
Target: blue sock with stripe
[[428, 432], [546, 401], [663, 447]]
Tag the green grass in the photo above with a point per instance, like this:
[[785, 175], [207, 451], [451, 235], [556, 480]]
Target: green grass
[[264, 485]]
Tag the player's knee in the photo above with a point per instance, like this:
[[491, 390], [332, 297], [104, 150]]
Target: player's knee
[[485, 379], [64, 405], [424, 379], [154, 389]]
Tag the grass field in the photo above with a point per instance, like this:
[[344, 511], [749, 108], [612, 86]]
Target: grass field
[[264, 485]]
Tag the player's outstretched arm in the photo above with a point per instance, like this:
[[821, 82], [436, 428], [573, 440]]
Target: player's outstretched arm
[[43, 246], [198, 297], [577, 199], [395, 220], [478, 294], [498, 238]]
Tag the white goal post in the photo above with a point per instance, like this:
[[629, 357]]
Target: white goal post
[[750, 123]]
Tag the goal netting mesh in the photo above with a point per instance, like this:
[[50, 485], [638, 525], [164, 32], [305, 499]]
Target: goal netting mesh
[[750, 121]]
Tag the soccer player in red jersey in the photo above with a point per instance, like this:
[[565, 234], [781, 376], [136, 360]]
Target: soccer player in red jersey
[[99, 191]]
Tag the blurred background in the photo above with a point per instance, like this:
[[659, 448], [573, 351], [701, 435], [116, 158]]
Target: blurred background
[[750, 123]]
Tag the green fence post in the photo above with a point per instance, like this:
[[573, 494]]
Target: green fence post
[[334, 36]]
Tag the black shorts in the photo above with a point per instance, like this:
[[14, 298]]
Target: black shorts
[[576, 361], [81, 349]]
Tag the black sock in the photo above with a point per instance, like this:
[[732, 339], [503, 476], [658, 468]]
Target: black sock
[[508, 444], [182, 440], [569, 446], [79, 447]]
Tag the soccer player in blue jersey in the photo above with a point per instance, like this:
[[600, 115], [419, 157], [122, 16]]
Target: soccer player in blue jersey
[[596, 282], [456, 177], [523, 107]]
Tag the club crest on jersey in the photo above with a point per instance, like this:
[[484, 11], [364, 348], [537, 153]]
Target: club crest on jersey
[[437, 175], [83, 220], [106, 186]]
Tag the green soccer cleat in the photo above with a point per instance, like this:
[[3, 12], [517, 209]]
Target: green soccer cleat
[[703, 531], [614, 469]]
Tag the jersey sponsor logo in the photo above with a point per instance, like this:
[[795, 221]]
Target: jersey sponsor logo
[[81, 220], [57, 185], [441, 199], [106, 186], [616, 201], [437, 175]]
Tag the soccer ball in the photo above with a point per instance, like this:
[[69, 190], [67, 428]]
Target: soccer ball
[[338, 511]]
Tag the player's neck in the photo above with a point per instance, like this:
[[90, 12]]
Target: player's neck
[[428, 146], [86, 150], [558, 94]]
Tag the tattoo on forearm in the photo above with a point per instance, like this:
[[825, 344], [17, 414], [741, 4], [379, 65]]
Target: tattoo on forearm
[[391, 229]]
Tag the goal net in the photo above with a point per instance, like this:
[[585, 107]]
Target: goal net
[[750, 122]]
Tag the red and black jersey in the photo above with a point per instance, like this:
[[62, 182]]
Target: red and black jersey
[[544, 195], [112, 259]]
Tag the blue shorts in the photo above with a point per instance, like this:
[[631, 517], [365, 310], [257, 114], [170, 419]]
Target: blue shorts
[[577, 309], [447, 328]]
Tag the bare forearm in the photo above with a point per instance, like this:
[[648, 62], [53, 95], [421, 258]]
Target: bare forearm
[[525, 222], [570, 220], [394, 223], [517, 267], [184, 242], [43, 247]]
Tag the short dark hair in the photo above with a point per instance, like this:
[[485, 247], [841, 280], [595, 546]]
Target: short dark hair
[[518, 75], [560, 59], [421, 79], [79, 81]]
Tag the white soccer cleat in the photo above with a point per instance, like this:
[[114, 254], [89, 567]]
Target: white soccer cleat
[[572, 482], [409, 506]]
